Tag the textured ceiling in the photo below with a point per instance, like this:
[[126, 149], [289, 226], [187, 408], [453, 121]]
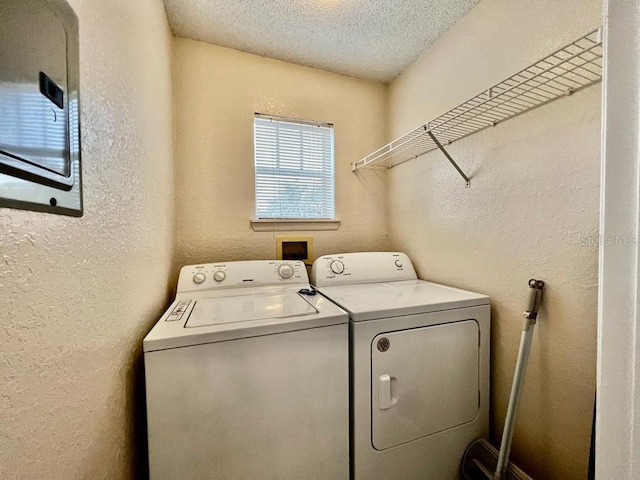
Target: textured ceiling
[[373, 39]]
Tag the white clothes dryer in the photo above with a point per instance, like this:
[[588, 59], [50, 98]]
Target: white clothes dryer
[[246, 378], [419, 366]]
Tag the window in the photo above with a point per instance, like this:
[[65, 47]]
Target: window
[[294, 168]]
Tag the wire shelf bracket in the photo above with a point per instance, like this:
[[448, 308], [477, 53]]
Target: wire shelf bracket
[[446, 154], [569, 69]]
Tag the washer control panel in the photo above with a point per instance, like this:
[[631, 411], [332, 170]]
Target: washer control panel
[[210, 276], [364, 267]]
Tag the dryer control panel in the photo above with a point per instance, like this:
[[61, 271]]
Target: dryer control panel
[[213, 276], [363, 267]]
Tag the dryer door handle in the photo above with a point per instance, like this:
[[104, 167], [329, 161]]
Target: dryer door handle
[[384, 392]]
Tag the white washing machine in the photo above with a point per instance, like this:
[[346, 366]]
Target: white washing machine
[[419, 366], [246, 378]]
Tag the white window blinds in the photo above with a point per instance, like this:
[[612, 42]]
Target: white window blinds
[[294, 168]]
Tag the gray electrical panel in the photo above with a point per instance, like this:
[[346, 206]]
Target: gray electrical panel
[[39, 107]]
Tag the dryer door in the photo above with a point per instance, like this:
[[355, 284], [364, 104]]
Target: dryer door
[[424, 380]]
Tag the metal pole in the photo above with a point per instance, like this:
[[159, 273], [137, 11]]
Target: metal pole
[[535, 298], [516, 392]]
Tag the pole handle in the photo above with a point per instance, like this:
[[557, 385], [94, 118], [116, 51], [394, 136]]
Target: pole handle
[[535, 299]]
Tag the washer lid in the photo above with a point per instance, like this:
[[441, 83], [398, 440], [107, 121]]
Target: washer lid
[[393, 299], [195, 319], [243, 309]]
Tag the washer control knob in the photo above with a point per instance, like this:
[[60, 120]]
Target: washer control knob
[[199, 277], [219, 276], [398, 264], [337, 267], [285, 271]]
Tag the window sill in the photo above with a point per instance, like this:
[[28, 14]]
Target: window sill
[[287, 224]]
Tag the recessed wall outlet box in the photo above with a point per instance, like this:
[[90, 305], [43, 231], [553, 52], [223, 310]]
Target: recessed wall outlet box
[[39, 107], [294, 248]]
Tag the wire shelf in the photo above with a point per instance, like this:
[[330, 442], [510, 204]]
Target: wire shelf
[[571, 68]]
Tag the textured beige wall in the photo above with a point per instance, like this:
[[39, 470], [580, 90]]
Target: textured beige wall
[[78, 295], [534, 193], [216, 92]]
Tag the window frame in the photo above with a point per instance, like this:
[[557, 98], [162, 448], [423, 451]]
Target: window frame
[[298, 223]]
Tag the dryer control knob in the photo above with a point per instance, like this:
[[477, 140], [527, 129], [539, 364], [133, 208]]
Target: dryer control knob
[[398, 264], [219, 276], [337, 267], [199, 277], [285, 271]]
